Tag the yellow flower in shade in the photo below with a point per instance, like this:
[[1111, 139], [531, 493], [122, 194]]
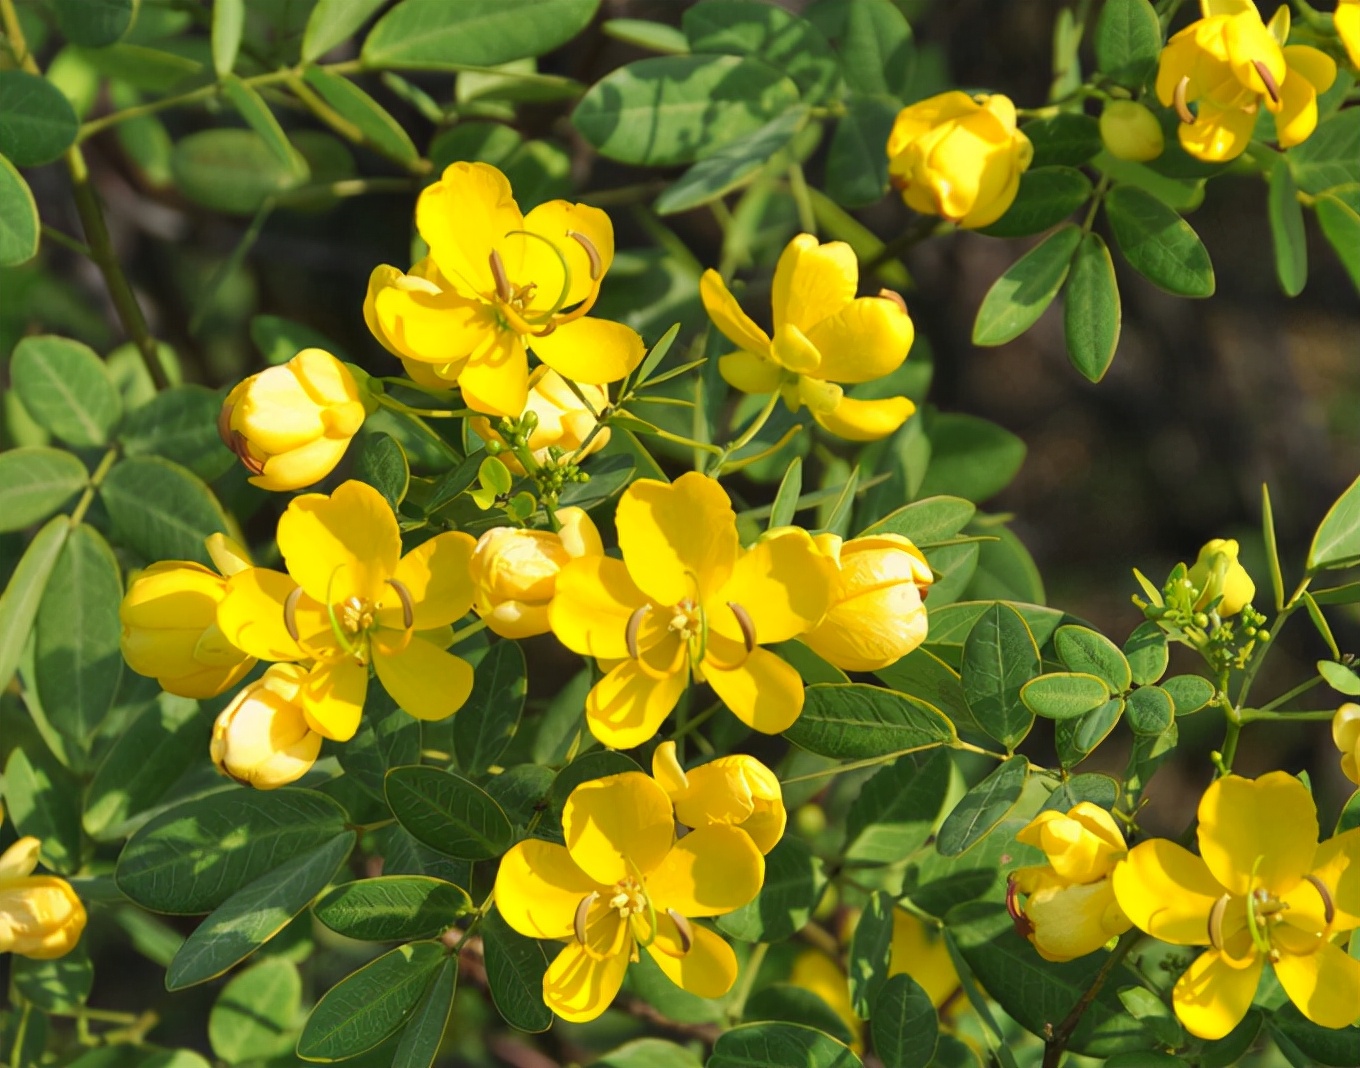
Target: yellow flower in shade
[[262, 739], [823, 336], [563, 420], [959, 157], [1346, 735], [1218, 574], [170, 631], [878, 613], [1262, 889], [350, 600], [1227, 64], [736, 790], [497, 282], [920, 951], [291, 424], [1070, 909], [514, 571], [687, 601], [816, 971], [40, 915], [623, 883], [1347, 20]]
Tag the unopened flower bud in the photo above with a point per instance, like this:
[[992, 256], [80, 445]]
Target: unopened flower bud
[[1216, 573], [1346, 735], [738, 790], [1130, 131], [40, 915], [554, 415], [263, 738]]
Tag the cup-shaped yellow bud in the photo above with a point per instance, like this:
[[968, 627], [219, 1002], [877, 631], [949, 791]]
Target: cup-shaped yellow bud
[[1217, 573], [1082, 845], [40, 915], [514, 571], [291, 424], [959, 157], [263, 738], [738, 790], [1346, 735], [562, 419], [1130, 131], [877, 613]]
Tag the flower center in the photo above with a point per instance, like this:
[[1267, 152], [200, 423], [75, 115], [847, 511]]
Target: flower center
[[351, 619], [1265, 915], [629, 898], [687, 620]]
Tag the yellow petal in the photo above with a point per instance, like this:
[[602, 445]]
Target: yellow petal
[[578, 987], [792, 351], [812, 281], [594, 351], [1258, 833], [1347, 20], [495, 379], [1337, 865], [1310, 72], [1167, 891], [735, 790], [1213, 995], [618, 826], [333, 698], [922, 953], [750, 372], [20, 859], [919, 118], [1248, 41], [416, 319], [301, 467], [251, 614], [708, 970], [556, 220], [628, 705], [1325, 985], [424, 680], [342, 546], [765, 693], [538, 888], [866, 420], [711, 870], [679, 539], [228, 555], [1218, 134], [591, 606], [435, 573], [728, 317], [866, 339], [1210, 8], [579, 535], [782, 583], [1072, 921], [464, 217]]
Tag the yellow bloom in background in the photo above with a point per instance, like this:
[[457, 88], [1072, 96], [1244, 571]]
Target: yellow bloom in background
[[170, 631], [499, 282], [291, 424], [514, 571], [816, 971], [1217, 573], [1228, 64], [1347, 20], [823, 336], [959, 157], [1262, 889], [350, 600], [1070, 909], [562, 419], [40, 915], [1346, 735], [878, 613], [735, 790], [621, 884], [262, 739], [687, 601]]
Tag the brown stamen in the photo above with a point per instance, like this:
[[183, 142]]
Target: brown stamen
[[546, 330], [683, 929], [408, 607], [224, 430], [746, 623], [895, 297], [241, 448], [1024, 927], [1182, 107], [578, 923], [1328, 904], [502, 279], [290, 612], [1216, 921], [596, 263], [1272, 86], [630, 634]]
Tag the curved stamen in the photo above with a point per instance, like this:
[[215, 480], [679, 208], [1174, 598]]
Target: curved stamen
[[546, 317], [502, 279], [683, 929], [895, 297], [336, 629], [1272, 86], [1024, 927], [1216, 921], [746, 623], [408, 607], [596, 263], [630, 634], [290, 612], [1182, 106], [578, 923], [224, 430], [1328, 903], [241, 448]]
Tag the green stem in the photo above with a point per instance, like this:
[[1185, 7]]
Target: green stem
[[1096, 198], [467, 632], [65, 241], [752, 429], [387, 401], [1285, 698], [802, 199], [1255, 715], [82, 506], [737, 1005], [1062, 1034], [691, 725]]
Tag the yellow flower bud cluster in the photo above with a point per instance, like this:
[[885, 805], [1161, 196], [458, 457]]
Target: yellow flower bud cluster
[[40, 915]]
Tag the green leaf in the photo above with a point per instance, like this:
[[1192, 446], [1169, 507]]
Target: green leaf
[[37, 122], [871, 952], [1147, 653], [896, 810], [652, 36], [333, 22], [780, 38], [1331, 156], [1046, 197], [392, 908], [1337, 541], [486, 33], [927, 520], [252, 107], [42, 799], [160, 510], [488, 721], [280, 339], [1064, 695], [194, 857], [584, 768], [66, 388], [650, 1053], [785, 505], [1021, 295], [999, 657], [19, 224], [387, 738], [515, 966], [1338, 214], [1286, 229], [252, 1018], [379, 128], [1189, 693], [1092, 313], [93, 23], [926, 676], [59, 985], [448, 813], [855, 721], [876, 48], [521, 791], [1097, 789], [794, 883], [1077, 739], [1067, 139], [779, 1045], [1128, 41], [23, 594], [676, 109], [424, 1030], [230, 170], [228, 23], [856, 165], [364, 1008], [34, 482], [1324, 1045], [77, 657], [904, 1025], [970, 457], [1083, 649], [949, 626], [982, 807], [724, 170], [1339, 677], [795, 1004], [1149, 709], [382, 464], [180, 424], [1158, 243]]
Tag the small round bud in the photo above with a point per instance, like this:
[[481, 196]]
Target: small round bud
[[810, 820], [1201, 620], [1131, 132]]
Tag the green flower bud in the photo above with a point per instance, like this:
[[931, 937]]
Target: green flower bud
[[1130, 131]]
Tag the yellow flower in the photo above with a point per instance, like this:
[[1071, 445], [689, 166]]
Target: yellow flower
[[684, 601], [563, 420], [40, 915], [622, 883], [350, 600], [497, 281], [1218, 574], [877, 614], [1261, 889], [823, 335], [959, 157], [1347, 19], [1070, 909], [1346, 735], [262, 739], [1228, 64], [291, 424], [1130, 131], [170, 631], [816, 971], [736, 790], [514, 571]]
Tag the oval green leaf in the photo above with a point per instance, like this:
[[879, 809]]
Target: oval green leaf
[[66, 389], [924, 521], [982, 807], [1097, 789], [904, 1025], [43, 800], [1331, 156], [1149, 710], [1067, 140], [382, 464], [1128, 41], [1189, 693], [94, 23], [390, 908], [448, 813], [1158, 243], [486, 724], [424, 36], [1083, 649], [856, 165], [1021, 295], [34, 482], [853, 721], [1076, 739], [1092, 312], [1147, 653], [1337, 541], [1338, 214], [37, 122], [332, 22], [372, 120], [1286, 229], [19, 224], [160, 510], [180, 424], [423, 1032], [230, 170], [1046, 197], [999, 657], [515, 966], [1064, 695], [23, 594], [895, 811], [780, 1045], [254, 1015]]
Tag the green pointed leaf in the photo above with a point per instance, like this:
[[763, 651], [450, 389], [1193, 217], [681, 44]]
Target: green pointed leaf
[[1097, 789], [1158, 243], [999, 657], [876, 48], [448, 813], [871, 952], [854, 721], [161, 510], [19, 225], [1337, 541], [652, 36], [785, 505], [228, 24], [1338, 214], [927, 520], [422, 36], [252, 107], [1147, 653], [779, 37], [487, 723], [794, 883], [94, 23], [1331, 156], [925, 675], [42, 799], [34, 482], [382, 464], [37, 122], [779, 1045], [856, 165], [895, 811], [424, 1029], [1286, 229], [255, 1013], [23, 594], [57, 986], [1189, 693], [982, 807], [1064, 695], [1024, 292], [1046, 197], [66, 388], [1076, 739], [1083, 649], [904, 1025], [1092, 313], [391, 908], [1068, 139], [1128, 41], [514, 974], [379, 128], [333, 22]]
